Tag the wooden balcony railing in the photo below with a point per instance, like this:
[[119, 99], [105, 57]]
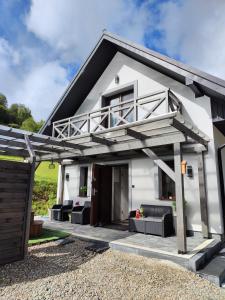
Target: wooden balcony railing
[[142, 108]]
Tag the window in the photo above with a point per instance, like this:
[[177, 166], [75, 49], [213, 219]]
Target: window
[[115, 99], [167, 184], [83, 181]]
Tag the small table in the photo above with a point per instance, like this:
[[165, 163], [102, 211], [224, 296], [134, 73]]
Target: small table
[[36, 228]]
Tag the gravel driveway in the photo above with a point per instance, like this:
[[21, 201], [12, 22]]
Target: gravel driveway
[[72, 272]]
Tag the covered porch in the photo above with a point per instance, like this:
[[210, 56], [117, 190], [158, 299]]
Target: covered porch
[[153, 136]]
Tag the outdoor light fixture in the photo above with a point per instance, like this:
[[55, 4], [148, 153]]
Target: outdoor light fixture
[[189, 171], [67, 176], [51, 166], [117, 79]]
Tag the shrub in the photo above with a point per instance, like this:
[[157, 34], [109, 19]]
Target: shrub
[[44, 196]]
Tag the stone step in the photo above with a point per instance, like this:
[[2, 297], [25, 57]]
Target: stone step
[[214, 271], [203, 257]]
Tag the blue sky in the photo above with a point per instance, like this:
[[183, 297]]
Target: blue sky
[[43, 43]]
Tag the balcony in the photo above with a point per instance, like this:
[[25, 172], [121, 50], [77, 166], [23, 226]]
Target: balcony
[[142, 108]]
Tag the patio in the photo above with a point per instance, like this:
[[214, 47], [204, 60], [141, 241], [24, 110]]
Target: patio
[[145, 245]]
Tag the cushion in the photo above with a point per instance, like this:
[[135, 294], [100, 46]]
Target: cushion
[[155, 210]]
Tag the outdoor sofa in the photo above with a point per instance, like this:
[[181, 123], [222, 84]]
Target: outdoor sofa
[[81, 214], [60, 212], [157, 220]]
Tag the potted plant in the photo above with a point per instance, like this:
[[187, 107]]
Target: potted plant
[[83, 191]]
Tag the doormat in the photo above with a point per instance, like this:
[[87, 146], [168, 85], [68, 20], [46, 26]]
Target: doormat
[[98, 247]]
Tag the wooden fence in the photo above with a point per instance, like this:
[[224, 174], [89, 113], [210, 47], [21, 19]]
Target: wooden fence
[[15, 185]]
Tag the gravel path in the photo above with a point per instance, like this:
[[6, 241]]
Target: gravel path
[[72, 272]]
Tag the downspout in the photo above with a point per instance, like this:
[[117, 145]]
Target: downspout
[[221, 178]]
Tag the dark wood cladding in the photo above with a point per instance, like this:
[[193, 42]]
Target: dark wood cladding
[[14, 195]]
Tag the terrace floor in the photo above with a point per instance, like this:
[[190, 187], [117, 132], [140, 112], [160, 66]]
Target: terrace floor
[[146, 245]]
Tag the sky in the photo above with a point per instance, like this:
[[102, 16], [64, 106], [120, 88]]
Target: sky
[[43, 43]]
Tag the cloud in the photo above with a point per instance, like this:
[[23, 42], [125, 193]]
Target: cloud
[[194, 31], [72, 27], [38, 85], [48, 40]]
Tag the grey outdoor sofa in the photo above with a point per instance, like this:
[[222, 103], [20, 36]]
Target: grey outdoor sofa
[[157, 220]]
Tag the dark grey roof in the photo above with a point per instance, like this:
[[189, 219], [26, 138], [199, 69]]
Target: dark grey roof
[[101, 56]]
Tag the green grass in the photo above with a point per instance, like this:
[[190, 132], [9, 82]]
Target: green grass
[[11, 158], [44, 173], [48, 235]]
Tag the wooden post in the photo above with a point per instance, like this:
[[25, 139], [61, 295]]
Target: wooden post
[[179, 187], [203, 196], [61, 184], [28, 208]]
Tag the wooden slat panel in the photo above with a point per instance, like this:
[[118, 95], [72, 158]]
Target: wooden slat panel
[[11, 257], [13, 235], [12, 175], [12, 195], [11, 210], [12, 205], [12, 171], [11, 218], [14, 186], [4, 164], [11, 229], [7, 227], [10, 253]]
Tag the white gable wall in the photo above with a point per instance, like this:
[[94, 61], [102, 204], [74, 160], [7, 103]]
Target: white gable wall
[[198, 111]]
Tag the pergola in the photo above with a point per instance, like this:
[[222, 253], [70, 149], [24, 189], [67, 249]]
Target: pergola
[[150, 137]]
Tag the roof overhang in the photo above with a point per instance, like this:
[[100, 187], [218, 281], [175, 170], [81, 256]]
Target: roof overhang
[[101, 56]]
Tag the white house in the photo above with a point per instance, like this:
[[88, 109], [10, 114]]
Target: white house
[[136, 117]]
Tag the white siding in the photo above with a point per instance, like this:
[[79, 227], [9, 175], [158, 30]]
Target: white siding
[[198, 111]]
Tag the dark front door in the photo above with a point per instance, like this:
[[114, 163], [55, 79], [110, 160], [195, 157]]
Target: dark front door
[[101, 196]]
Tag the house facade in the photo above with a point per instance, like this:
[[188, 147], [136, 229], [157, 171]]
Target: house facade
[[123, 85]]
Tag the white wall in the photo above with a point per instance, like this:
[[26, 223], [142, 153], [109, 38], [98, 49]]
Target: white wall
[[71, 187], [198, 111]]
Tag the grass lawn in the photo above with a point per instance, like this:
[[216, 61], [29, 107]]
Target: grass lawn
[[48, 235], [44, 173]]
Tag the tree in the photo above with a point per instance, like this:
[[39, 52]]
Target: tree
[[19, 113], [4, 116], [30, 125], [3, 101]]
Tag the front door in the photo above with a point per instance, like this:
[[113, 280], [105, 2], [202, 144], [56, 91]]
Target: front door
[[101, 195]]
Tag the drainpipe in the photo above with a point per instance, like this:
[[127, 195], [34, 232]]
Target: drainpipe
[[221, 178]]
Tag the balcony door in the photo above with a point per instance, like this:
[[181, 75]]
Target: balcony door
[[119, 108]]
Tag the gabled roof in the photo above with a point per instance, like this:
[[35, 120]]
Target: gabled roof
[[101, 56]]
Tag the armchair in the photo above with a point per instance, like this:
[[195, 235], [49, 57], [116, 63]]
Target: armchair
[[60, 212], [81, 214]]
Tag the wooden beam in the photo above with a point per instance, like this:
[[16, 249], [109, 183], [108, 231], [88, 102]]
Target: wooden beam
[[135, 134], [188, 131], [194, 87], [22, 144], [160, 163], [35, 137], [180, 207], [28, 208], [123, 146], [203, 196], [101, 140], [18, 152]]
